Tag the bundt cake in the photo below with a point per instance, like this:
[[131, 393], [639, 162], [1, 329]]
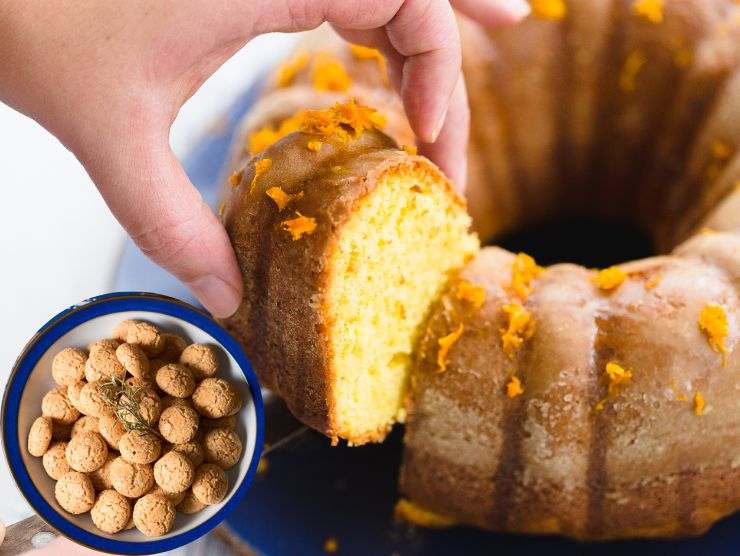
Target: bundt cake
[[560, 400], [594, 405], [344, 241]]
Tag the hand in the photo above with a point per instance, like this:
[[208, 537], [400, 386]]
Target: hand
[[108, 79]]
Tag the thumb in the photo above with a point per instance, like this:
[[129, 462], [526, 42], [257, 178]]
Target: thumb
[[149, 193]]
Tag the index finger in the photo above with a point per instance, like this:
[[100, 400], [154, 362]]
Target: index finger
[[423, 32]]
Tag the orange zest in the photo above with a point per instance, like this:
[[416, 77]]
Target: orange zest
[[341, 122], [652, 10], [514, 388], [523, 272], [299, 226], [475, 295], [618, 376], [610, 278], [329, 74], [260, 167], [630, 70], [653, 281], [714, 323], [549, 9], [288, 70], [445, 343], [281, 198], [366, 53], [520, 327], [699, 404], [410, 512]]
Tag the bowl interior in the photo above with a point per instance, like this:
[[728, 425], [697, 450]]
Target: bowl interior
[[40, 382]]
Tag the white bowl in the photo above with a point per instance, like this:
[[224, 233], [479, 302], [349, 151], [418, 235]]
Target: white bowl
[[77, 327]]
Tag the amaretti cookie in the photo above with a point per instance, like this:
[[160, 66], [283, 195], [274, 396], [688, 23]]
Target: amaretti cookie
[[74, 492], [154, 515]]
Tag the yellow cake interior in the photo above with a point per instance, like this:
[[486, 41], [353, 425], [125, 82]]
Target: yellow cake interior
[[391, 262]]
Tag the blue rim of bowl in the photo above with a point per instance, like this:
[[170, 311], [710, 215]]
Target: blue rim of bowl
[[42, 341]]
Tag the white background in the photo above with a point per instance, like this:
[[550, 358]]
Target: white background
[[59, 243]]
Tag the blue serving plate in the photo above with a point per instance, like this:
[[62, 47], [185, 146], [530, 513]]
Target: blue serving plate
[[78, 326], [312, 492]]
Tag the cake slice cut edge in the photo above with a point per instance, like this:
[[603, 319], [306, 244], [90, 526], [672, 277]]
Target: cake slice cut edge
[[390, 262]]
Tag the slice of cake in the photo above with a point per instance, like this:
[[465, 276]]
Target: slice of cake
[[344, 241]]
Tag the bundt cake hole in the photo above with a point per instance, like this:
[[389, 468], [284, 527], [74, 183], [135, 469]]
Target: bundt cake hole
[[586, 241], [392, 260]]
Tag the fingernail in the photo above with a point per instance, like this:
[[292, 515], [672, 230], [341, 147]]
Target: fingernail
[[437, 129], [218, 297], [519, 9]]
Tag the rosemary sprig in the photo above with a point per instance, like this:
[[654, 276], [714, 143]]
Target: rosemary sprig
[[125, 401]]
